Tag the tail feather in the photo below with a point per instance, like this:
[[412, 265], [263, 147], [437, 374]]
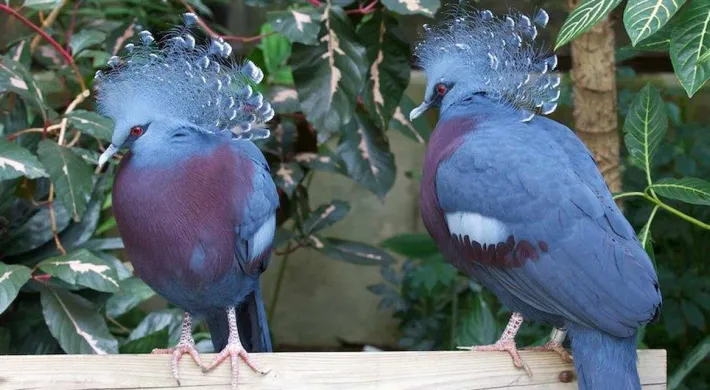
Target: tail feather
[[604, 361], [251, 323]]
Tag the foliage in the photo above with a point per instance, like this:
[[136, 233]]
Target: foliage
[[681, 27], [336, 72]]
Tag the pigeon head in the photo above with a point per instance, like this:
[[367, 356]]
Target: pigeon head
[[476, 55], [165, 96]]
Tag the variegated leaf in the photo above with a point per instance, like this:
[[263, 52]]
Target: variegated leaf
[[16, 78], [16, 161], [690, 40], [76, 323], [287, 176], [132, 292], [388, 74], [284, 100], [366, 153], [642, 18], [71, 176], [12, 278], [82, 268], [410, 7], [298, 25], [329, 76], [582, 18], [418, 130], [325, 215], [351, 251], [91, 123]]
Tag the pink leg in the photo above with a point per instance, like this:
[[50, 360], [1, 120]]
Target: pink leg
[[233, 350], [557, 337], [506, 343], [186, 345]]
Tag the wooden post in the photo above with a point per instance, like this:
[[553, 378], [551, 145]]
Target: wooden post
[[594, 90], [319, 371]]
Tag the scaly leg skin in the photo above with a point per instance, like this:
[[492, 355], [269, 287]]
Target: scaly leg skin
[[233, 350], [186, 345], [557, 337], [506, 343]]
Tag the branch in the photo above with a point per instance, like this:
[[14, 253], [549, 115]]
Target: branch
[[63, 125], [67, 57], [315, 3], [53, 221], [363, 10], [213, 34], [46, 23]]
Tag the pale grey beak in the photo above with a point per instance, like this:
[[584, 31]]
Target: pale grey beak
[[419, 110], [105, 156]]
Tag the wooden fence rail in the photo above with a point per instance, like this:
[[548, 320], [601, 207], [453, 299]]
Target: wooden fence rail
[[313, 371]]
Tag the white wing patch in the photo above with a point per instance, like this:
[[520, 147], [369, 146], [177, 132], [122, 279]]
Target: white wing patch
[[477, 227], [263, 237]]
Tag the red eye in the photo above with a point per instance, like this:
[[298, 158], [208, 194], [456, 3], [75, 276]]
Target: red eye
[[136, 131], [441, 89]]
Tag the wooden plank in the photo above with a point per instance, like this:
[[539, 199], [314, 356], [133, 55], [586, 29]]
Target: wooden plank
[[314, 371]]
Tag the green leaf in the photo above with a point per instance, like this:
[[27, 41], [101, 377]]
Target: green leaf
[[388, 74], [478, 325], [82, 268], [16, 161], [329, 76], [411, 7], [276, 50], [659, 41], [12, 278], [326, 215], [432, 273], [690, 39], [91, 123], [71, 176], [672, 318], [35, 232], [645, 238], [300, 25], [417, 130], [170, 319], [42, 4], [583, 18], [287, 176], [350, 251], [284, 100], [201, 7], [412, 245], [16, 78], [693, 314], [642, 18], [76, 323], [84, 39], [324, 160], [692, 359], [645, 127], [366, 153], [147, 343], [132, 292], [688, 189]]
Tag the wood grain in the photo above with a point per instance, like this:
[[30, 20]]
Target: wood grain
[[313, 371]]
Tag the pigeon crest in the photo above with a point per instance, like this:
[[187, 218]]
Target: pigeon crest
[[186, 82], [500, 52]]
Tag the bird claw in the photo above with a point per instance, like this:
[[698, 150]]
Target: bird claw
[[553, 346], [503, 346], [177, 352], [234, 350]]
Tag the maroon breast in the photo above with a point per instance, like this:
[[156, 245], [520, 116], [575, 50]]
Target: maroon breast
[[178, 223]]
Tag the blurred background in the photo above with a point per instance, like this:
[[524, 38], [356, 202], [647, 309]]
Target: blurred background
[[353, 265]]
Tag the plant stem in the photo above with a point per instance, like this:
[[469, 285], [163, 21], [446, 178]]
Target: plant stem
[[63, 125], [46, 23], [279, 281], [67, 57], [454, 315], [628, 194], [315, 3], [53, 221], [677, 213], [225, 37]]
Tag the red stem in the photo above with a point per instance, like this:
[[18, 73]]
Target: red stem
[[225, 37], [72, 25], [363, 10], [315, 3], [67, 57]]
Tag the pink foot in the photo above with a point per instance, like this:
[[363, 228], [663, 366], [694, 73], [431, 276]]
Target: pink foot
[[503, 346], [177, 352], [185, 346], [553, 346], [234, 350]]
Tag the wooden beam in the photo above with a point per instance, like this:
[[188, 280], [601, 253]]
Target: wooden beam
[[320, 371]]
